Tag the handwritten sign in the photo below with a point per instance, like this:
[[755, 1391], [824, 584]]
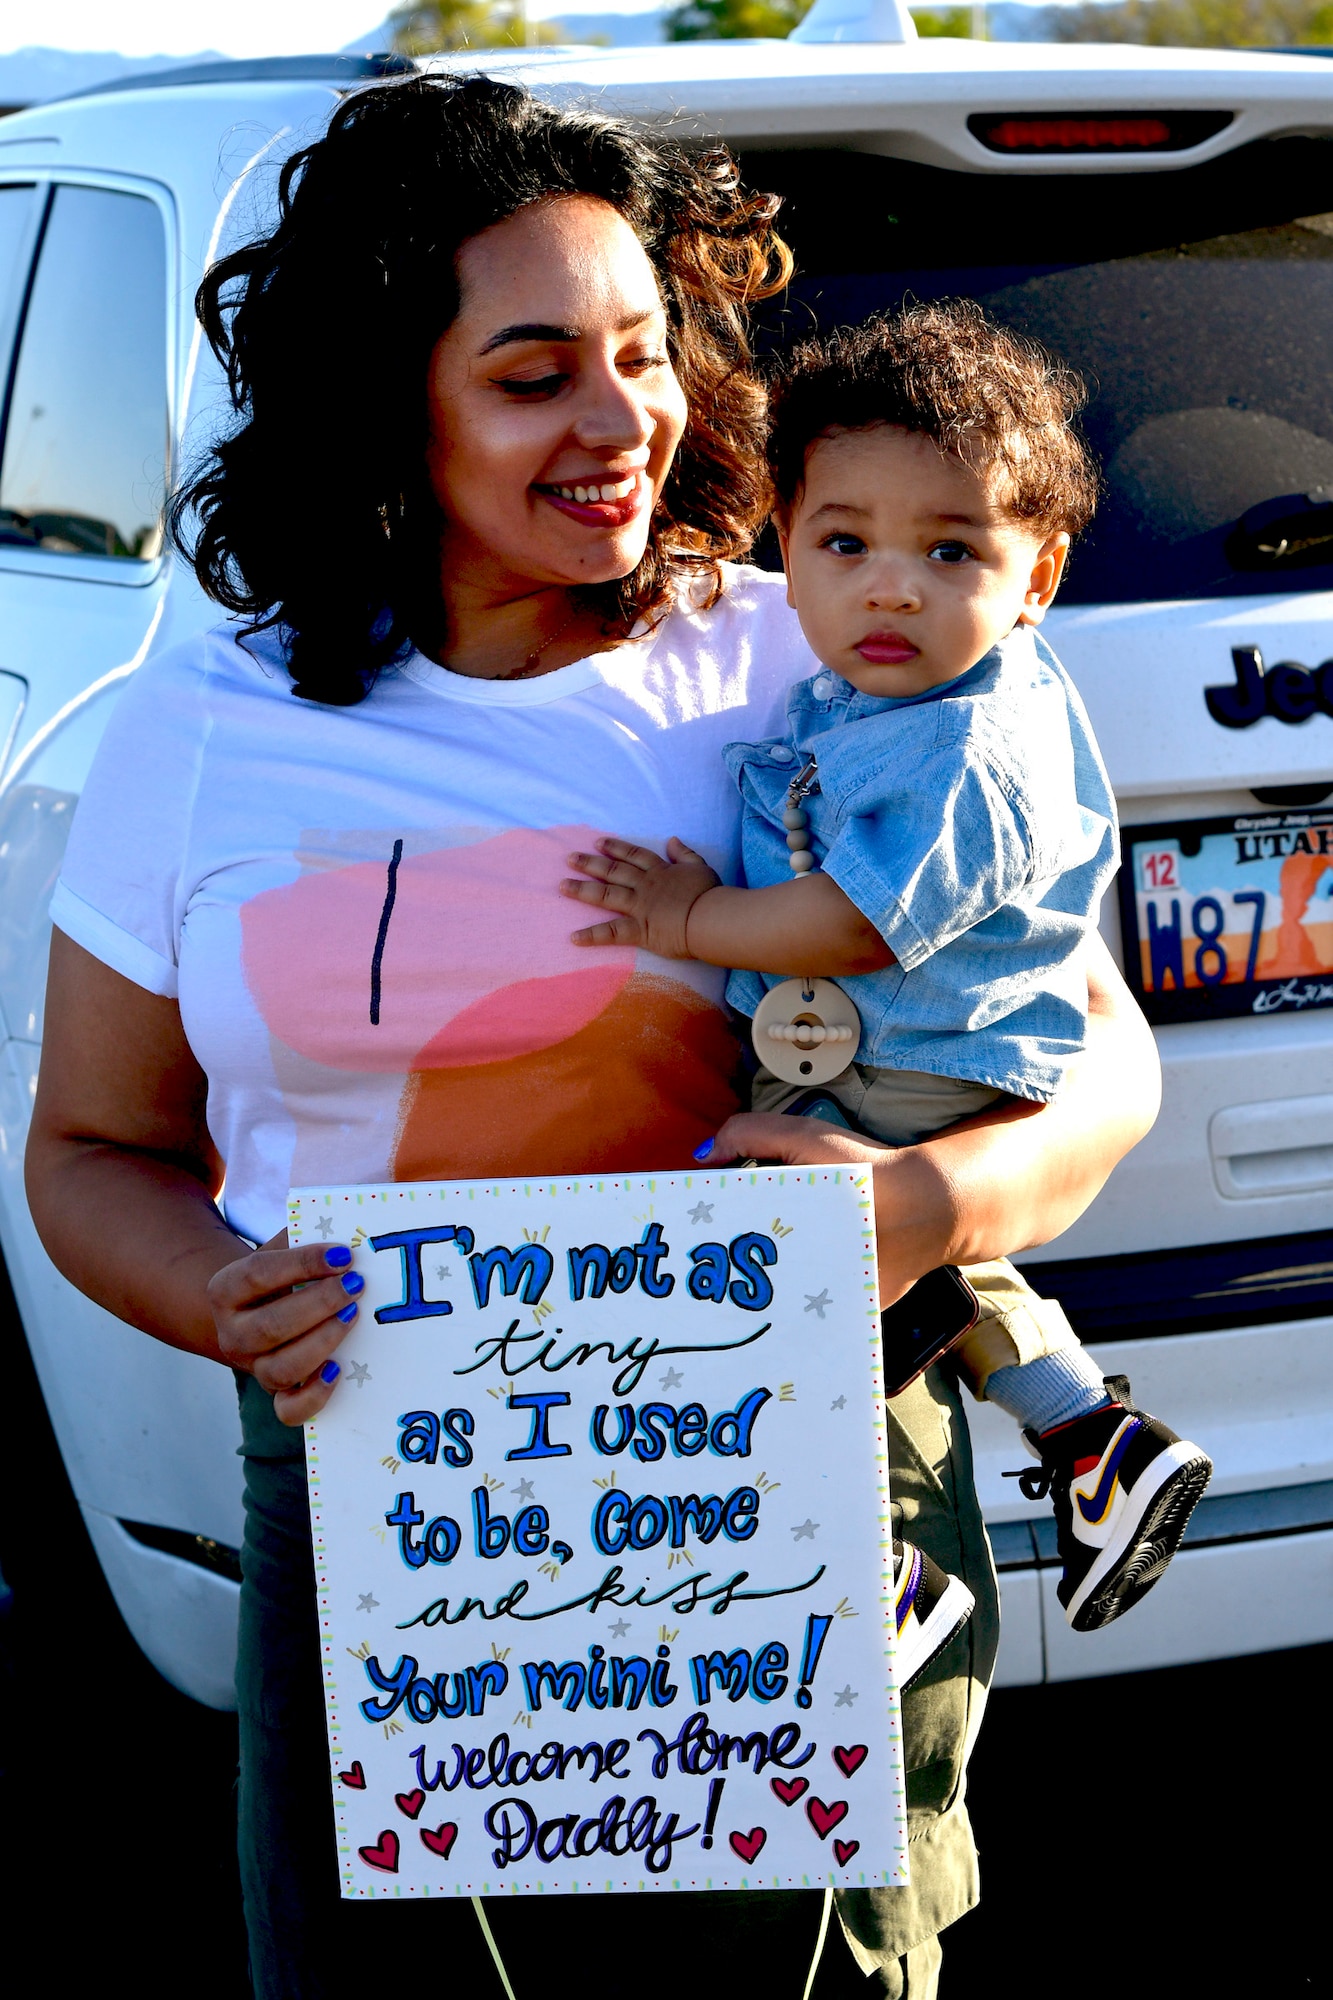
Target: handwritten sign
[[602, 1543]]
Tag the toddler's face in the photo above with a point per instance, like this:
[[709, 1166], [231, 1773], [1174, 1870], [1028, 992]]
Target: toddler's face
[[902, 566]]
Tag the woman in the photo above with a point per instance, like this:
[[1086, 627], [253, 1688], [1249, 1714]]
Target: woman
[[309, 927]]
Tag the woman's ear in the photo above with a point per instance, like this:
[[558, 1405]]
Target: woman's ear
[[1047, 569]]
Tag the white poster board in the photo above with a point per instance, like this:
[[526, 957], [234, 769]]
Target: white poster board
[[601, 1529]]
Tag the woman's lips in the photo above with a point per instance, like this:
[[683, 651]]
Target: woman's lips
[[887, 649], [604, 503]]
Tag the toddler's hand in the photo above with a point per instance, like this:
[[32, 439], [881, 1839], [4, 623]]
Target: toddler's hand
[[653, 897]]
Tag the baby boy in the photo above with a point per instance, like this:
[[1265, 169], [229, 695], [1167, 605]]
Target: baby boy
[[935, 833]]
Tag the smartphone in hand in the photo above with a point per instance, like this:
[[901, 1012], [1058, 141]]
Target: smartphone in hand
[[924, 1324]]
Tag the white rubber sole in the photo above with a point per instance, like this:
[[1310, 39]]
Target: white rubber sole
[[1147, 1535]]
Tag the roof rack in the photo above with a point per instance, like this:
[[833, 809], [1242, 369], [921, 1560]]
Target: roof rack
[[262, 69]]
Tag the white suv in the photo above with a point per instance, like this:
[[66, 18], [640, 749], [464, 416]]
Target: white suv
[[1164, 219]]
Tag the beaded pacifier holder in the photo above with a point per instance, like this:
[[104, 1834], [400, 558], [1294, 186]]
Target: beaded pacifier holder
[[805, 1030]]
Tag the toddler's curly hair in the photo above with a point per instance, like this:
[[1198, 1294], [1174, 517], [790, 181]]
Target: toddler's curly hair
[[984, 394]]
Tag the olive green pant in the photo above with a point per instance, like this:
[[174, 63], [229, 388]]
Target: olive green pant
[[935, 1506]]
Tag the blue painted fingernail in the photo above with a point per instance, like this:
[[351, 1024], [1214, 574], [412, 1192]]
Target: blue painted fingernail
[[702, 1152], [338, 1256], [330, 1371], [349, 1313], [353, 1282]]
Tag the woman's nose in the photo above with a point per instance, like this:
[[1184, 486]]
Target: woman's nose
[[613, 414]]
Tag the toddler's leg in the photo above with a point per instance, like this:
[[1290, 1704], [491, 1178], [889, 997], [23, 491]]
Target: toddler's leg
[[1024, 1355], [1123, 1486]]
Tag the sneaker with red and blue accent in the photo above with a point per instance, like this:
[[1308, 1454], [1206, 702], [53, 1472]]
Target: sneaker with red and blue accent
[[1123, 1487], [930, 1608]]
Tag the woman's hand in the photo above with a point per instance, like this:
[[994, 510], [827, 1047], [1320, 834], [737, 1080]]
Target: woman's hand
[[1009, 1179], [652, 897], [914, 1212], [280, 1314]]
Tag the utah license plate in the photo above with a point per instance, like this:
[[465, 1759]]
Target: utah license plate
[[1229, 916]]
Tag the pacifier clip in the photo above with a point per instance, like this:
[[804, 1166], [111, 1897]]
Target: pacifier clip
[[805, 1030]]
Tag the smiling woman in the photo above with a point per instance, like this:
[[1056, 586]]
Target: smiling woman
[[592, 291], [496, 439]]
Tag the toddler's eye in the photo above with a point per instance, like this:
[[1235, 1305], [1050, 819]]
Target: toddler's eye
[[844, 545], [950, 552]]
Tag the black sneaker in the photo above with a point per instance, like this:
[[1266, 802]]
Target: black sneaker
[[1123, 1487], [931, 1607]]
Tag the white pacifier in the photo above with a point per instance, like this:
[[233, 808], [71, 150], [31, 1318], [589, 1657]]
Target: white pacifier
[[805, 1030]]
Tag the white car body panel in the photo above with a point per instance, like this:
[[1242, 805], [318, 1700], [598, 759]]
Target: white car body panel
[[1243, 1149]]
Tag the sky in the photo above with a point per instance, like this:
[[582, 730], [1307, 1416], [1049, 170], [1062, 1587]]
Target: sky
[[233, 27]]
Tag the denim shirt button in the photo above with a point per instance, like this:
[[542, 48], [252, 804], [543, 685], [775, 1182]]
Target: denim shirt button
[[781, 754], [822, 688]]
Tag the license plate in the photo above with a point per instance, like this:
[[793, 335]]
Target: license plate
[[1229, 916]]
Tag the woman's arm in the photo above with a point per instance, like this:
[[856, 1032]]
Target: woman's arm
[[1011, 1178], [122, 1178]]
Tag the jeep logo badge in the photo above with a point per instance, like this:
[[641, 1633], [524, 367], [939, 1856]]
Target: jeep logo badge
[[1289, 693]]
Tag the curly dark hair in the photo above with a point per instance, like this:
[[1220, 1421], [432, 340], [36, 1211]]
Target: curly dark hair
[[315, 514], [985, 394]]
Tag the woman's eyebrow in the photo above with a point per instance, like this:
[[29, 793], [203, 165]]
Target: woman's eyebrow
[[508, 336]]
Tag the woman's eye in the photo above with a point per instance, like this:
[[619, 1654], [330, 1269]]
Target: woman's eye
[[642, 363], [950, 552], [541, 385], [844, 545]]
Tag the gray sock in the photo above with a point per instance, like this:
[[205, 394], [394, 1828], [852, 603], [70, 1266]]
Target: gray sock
[[1052, 1390]]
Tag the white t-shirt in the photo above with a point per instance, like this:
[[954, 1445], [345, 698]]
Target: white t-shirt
[[357, 907]]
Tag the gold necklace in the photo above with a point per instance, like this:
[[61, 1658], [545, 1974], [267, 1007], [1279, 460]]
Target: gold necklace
[[533, 660]]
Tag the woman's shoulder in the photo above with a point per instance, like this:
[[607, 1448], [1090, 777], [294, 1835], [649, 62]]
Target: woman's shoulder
[[189, 676], [744, 615]]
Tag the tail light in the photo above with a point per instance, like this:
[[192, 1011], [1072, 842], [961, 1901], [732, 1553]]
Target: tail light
[[1096, 131]]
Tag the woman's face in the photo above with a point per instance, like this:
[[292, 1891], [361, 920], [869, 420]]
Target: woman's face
[[554, 411]]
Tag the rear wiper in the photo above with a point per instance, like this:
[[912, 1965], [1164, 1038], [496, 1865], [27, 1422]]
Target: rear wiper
[[1291, 531]]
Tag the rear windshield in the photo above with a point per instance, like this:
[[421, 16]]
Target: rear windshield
[[1198, 305]]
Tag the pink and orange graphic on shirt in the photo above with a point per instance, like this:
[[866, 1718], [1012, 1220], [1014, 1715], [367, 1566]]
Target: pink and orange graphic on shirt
[[519, 1051]]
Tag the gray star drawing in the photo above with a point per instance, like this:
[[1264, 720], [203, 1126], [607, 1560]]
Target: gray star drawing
[[365, 1602], [815, 1302], [672, 1379], [523, 1491], [620, 1628], [807, 1531], [702, 1212], [358, 1372], [442, 1272], [846, 1696], [838, 1403], [325, 1227]]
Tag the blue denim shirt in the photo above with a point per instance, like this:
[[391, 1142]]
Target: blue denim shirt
[[974, 826]]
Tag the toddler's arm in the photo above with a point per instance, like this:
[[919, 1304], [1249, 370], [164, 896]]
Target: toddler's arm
[[677, 908]]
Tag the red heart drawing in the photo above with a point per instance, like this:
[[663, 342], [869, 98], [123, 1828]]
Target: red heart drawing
[[441, 1840], [747, 1845], [409, 1802], [824, 1818], [790, 1789], [355, 1779], [384, 1855], [850, 1761], [845, 1849]]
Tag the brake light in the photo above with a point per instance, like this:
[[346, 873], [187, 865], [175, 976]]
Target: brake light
[[1096, 131]]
